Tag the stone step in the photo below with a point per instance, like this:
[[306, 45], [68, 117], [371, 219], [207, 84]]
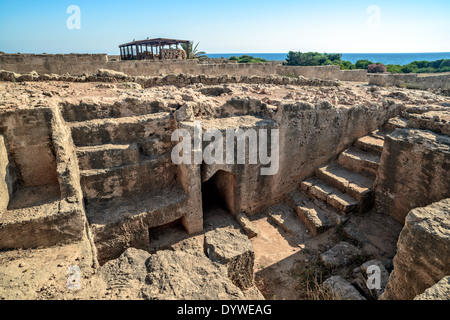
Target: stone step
[[102, 212], [107, 156], [435, 121], [249, 227], [356, 185], [127, 180], [119, 223], [359, 161], [339, 217], [370, 144], [285, 217], [394, 123], [379, 134], [315, 219], [90, 110], [152, 132], [317, 188]]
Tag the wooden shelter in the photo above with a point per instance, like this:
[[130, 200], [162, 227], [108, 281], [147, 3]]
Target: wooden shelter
[[149, 48]]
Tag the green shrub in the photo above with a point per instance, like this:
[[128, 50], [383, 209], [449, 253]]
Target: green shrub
[[444, 63], [247, 59], [420, 64], [297, 58], [425, 70], [346, 65], [407, 69], [394, 68], [362, 64]]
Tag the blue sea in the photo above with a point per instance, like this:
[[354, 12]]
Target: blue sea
[[385, 58]]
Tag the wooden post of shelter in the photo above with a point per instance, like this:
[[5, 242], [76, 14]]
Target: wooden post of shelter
[[160, 49]]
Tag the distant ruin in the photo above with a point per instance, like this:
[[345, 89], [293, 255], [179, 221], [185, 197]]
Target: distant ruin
[[87, 175]]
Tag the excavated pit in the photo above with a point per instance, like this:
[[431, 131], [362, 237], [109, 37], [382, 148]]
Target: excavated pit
[[29, 165], [92, 163]]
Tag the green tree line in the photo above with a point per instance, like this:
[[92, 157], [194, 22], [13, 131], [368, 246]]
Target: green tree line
[[297, 58]]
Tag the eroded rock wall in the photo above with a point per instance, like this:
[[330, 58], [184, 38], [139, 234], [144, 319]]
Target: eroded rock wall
[[28, 137], [309, 136], [422, 257], [414, 171], [46, 205], [6, 184]]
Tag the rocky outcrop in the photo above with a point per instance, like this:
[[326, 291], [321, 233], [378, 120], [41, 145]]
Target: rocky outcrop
[[436, 119], [111, 74], [127, 272], [342, 289], [422, 257], [413, 172], [340, 255], [440, 291], [167, 275], [179, 80], [232, 248], [187, 276]]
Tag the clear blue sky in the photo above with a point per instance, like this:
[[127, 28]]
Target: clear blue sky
[[231, 26]]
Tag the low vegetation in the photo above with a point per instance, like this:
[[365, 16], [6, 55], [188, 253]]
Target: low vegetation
[[297, 58], [247, 59], [442, 65]]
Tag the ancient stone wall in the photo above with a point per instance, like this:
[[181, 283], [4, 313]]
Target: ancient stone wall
[[78, 64], [352, 75], [412, 81], [150, 68], [322, 72]]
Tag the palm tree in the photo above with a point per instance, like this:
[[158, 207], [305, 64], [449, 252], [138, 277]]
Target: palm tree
[[193, 50]]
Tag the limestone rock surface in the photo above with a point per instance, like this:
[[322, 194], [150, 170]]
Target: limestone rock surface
[[422, 257]]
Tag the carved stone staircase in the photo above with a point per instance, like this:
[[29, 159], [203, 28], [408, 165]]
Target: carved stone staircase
[[343, 186]]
